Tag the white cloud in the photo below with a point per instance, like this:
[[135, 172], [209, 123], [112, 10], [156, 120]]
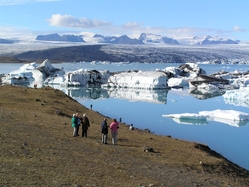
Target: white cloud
[[18, 2], [8, 32], [236, 28], [72, 22]]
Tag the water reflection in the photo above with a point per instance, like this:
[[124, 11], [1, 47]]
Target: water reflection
[[204, 94], [190, 121], [143, 95], [229, 121]]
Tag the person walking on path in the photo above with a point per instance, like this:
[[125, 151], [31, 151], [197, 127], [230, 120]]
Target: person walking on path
[[114, 129], [85, 124], [104, 131], [74, 125]]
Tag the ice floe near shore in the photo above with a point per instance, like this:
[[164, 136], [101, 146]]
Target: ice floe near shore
[[230, 117]]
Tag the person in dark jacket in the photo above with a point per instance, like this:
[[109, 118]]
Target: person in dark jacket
[[85, 124], [104, 131]]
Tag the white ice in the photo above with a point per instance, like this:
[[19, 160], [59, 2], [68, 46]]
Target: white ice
[[239, 97], [230, 117]]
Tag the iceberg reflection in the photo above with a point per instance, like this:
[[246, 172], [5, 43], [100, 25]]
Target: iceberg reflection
[[144, 95]]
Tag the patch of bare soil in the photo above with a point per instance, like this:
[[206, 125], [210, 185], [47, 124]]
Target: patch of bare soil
[[37, 148]]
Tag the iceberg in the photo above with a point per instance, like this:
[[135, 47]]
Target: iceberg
[[230, 117], [31, 74], [187, 75], [226, 114], [138, 80], [239, 97]]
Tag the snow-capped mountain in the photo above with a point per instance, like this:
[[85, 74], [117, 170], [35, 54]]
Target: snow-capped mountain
[[154, 38], [144, 38], [206, 40], [57, 37], [117, 40]]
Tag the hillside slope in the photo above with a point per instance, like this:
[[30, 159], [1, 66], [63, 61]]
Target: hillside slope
[[37, 149]]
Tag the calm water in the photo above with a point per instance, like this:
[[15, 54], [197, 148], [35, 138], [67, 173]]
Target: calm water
[[230, 141]]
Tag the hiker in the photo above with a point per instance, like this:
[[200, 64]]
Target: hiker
[[91, 106], [114, 129], [74, 125], [85, 124], [104, 131], [131, 127]]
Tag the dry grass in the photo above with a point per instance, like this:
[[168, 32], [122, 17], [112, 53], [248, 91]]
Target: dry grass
[[37, 149]]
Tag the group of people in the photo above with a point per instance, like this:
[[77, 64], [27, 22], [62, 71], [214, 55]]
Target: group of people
[[78, 121], [84, 122], [114, 131]]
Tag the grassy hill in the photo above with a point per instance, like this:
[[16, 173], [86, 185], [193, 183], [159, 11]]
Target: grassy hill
[[37, 149]]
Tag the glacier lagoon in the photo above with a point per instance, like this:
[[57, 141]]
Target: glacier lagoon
[[144, 108]]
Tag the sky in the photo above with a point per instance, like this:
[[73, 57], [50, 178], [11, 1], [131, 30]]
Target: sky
[[25, 19]]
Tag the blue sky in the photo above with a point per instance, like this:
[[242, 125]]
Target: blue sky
[[171, 18]]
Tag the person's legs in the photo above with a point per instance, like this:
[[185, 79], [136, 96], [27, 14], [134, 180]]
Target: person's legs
[[77, 131], [74, 132], [103, 138], [83, 133], [115, 137]]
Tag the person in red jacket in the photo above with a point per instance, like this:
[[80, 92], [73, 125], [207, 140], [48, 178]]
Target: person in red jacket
[[114, 130]]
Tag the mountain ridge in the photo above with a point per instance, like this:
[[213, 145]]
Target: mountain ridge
[[143, 39]]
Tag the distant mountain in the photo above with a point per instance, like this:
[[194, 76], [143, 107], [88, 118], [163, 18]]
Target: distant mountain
[[7, 41], [215, 40], [144, 38], [57, 37], [153, 38], [207, 40], [105, 39], [118, 40]]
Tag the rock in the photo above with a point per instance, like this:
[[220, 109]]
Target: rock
[[148, 149]]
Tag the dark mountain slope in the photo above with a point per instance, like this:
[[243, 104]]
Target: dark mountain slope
[[68, 54]]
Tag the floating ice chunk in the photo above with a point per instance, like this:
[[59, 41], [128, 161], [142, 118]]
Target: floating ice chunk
[[230, 117], [48, 70], [238, 97], [179, 81], [23, 71], [226, 114], [85, 77], [148, 80]]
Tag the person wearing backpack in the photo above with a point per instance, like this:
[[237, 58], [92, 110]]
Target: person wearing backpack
[[104, 131]]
